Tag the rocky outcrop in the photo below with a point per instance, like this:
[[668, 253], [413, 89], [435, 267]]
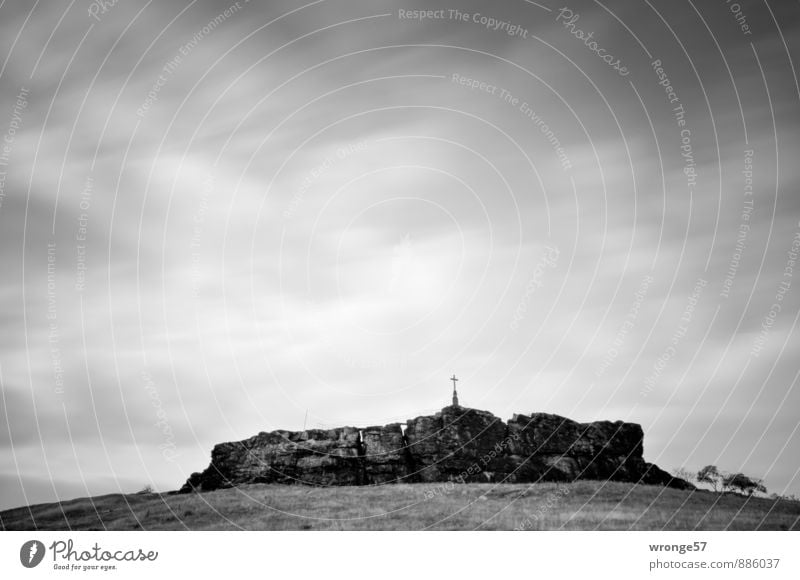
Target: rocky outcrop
[[316, 457], [386, 458], [449, 445], [558, 449], [456, 444]]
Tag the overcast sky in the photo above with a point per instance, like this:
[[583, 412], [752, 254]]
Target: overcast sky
[[217, 219]]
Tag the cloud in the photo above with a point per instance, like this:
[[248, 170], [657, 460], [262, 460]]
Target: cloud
[[314, 217]]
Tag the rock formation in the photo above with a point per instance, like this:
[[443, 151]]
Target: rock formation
[[456, 444]]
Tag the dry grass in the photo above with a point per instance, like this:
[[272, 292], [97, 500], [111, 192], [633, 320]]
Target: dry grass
[[586, 505]]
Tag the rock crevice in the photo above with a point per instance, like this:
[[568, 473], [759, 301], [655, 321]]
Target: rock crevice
[[456, 444]]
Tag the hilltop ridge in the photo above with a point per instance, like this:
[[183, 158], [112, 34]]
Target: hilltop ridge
[[457, 444]]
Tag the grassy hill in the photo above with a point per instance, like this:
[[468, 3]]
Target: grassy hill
[[584, 505]]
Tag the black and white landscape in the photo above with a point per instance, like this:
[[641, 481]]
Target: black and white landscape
[[246, 247]]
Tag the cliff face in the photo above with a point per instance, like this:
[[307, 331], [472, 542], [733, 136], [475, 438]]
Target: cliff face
[[456, 444]]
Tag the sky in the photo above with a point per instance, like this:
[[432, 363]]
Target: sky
[[224, 218]]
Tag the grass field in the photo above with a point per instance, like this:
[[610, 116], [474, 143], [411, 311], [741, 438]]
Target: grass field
[[585, 505]]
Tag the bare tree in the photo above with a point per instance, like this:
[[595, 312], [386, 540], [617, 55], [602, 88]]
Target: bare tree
[[682, 473]]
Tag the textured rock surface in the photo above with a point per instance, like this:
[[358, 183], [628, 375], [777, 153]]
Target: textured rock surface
[[446, 446], [457, 444], [317, 457], [560, 449], [385, 455]]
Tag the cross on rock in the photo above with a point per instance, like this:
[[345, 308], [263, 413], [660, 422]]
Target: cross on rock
[[455, 394]]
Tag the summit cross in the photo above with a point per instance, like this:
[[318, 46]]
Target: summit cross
[[455, 394]]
